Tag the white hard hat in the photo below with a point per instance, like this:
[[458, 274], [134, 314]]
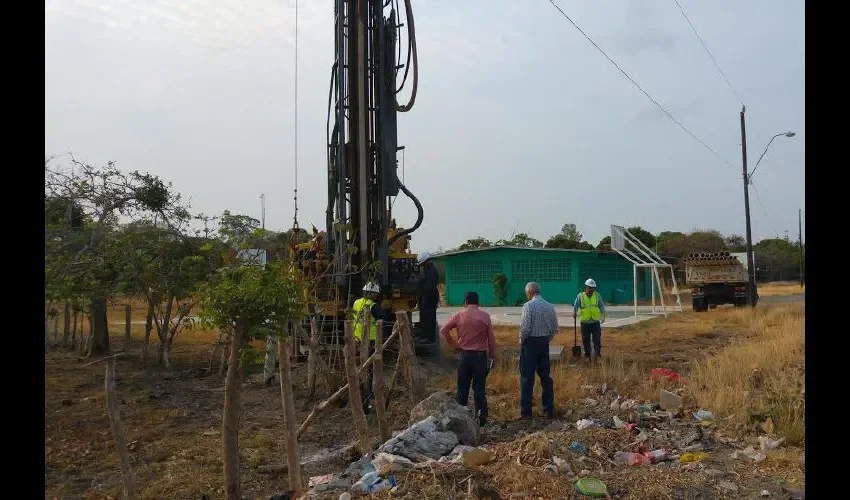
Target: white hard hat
[[371, 287], [590, 283], [423, 257]]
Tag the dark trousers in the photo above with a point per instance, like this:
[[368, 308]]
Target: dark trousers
[[472, 369], [428, 320], [534, 357], [592, 331]]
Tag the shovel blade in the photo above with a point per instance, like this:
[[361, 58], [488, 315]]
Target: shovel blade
[[576, 351]]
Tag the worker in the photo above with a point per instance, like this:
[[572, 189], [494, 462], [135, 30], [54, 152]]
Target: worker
[[592, 309], [476, 352], [538, 325], [368, 304], [429, 298]]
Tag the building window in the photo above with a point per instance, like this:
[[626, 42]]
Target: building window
[[606, 272], [474, 272], [541, 270]]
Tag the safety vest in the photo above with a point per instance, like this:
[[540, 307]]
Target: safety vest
[[590, 308], [364, 306]]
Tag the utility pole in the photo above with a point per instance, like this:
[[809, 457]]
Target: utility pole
[[800, 240], [750, 265], [263, 213]]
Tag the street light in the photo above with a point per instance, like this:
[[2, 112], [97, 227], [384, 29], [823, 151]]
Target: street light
[[786, 134], [747, 178]]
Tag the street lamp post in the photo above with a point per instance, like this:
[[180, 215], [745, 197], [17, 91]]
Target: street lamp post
[[747, 180]]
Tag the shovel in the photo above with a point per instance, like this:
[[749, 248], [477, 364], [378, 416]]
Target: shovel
[[576, 347]]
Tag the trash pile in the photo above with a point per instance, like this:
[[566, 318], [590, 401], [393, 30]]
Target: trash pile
[[441, 432], [438, 455]]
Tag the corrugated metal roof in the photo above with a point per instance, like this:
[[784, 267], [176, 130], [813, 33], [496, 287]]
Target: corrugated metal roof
[[471, 250]]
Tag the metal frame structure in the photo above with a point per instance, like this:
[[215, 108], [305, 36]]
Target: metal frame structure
[[643, 257]]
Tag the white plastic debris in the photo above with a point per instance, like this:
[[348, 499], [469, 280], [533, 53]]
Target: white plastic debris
[[768, 444], [619, 424], [586, 423]]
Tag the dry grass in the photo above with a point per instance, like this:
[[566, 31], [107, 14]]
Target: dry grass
[[763, 375], [780, 288]]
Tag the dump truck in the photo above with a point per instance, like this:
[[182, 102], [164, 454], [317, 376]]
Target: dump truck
[[716, 278]]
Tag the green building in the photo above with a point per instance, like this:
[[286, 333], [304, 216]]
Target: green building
[[561, 274]]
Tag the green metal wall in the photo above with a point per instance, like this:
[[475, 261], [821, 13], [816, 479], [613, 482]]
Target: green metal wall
[[561, 275]]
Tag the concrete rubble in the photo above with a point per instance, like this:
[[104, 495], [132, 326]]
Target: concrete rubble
[[440, 430], [459, 419]]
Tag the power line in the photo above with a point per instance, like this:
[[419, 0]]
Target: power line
[[766, 216], [706, 146], [295, 216], [707, 51]]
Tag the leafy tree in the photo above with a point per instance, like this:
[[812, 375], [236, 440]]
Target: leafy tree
[[500, 290], [735, 243], [82, 257], [476, 243], [664, 237], [166, 267], [570, 232], [253, 302], [562, 241], [604, 243], [777, 259], [521, 240], [643, 236], [237, 230]]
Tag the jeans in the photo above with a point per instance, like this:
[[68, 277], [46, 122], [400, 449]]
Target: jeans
[[534, 357], [472, 368], [594, 331]]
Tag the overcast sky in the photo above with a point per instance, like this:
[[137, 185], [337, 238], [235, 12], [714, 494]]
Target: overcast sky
[[519, 125]]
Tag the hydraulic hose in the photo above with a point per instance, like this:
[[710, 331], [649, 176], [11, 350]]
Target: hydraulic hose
[[419, 217], [411, 33]]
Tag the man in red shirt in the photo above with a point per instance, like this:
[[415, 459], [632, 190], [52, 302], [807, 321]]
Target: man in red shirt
[[476, 350]]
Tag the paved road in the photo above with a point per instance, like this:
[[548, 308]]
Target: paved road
[[617, 315]]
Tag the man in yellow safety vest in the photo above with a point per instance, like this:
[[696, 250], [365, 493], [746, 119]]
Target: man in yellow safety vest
[[367, 305], [589, 304]]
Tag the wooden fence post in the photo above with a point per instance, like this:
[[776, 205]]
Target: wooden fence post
[[415, 382], [378, 385], [355, 402]]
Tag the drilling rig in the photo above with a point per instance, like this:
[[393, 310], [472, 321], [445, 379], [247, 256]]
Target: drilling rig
[[362, 242]]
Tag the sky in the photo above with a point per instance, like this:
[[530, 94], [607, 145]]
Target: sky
[[519, 124]]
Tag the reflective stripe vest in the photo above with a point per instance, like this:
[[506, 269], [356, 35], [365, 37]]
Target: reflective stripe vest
[[590, 307], [364, 306]]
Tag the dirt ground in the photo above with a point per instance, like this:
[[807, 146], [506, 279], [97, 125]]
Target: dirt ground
[[172, 419]]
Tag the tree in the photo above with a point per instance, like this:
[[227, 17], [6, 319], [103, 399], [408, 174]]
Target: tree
[[166, 267], [664, 237], [500, 282], [238, 230], [777, 259], [562, 241], [570, 232], [735, 243], [604, 243], [476, 243], [643, 236], [254, 302], [82, 257], [521, 240]]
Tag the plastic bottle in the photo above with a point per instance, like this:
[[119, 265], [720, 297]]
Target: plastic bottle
[[626, 458]]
